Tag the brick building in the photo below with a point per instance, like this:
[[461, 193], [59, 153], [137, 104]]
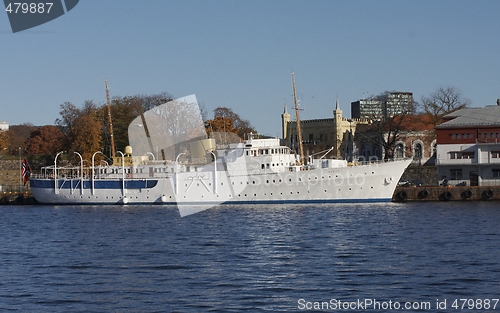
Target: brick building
[[416, 140]]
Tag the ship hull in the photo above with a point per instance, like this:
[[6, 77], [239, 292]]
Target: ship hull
[[367, 183]]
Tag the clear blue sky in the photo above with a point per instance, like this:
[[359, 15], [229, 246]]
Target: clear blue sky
[[240, 54]]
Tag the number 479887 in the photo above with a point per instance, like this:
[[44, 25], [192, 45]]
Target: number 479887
[[475, 304], [23, 7]]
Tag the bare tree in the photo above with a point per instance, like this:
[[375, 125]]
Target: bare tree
[[389, 131], [443, 101], [390, 120]]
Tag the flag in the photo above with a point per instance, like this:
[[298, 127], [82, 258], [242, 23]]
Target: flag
[[26, 171]]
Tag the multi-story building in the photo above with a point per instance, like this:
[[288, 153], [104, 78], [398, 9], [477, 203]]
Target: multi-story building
[[384, 106], [468, 147]]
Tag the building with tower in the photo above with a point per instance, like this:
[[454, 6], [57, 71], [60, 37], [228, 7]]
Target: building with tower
[[319, 135]]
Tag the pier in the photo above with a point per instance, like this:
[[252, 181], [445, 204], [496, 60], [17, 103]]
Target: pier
[[446, 193]]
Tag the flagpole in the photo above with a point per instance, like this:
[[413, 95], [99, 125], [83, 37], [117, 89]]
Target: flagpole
[[20, 171]]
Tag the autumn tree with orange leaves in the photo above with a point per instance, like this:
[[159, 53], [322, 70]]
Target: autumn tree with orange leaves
[[225, 120], [82, 128], [45, 140]]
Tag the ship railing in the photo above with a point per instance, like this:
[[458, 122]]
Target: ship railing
[[67, 172], [73, 172], [375, 161]]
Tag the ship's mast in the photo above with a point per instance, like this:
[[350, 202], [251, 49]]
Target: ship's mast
[[299, 133], [110, 121]]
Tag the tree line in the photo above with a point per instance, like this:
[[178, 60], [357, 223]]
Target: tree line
[[86, 130]]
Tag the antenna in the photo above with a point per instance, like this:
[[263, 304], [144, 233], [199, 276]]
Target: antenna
[[110, 121]]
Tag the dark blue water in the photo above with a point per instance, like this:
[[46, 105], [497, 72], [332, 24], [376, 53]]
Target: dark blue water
[[251, 258]]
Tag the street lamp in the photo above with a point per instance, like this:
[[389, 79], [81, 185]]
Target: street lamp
[[93, 172], [125, 200], [151, 154], [55, 171], [81, 172], [215, 172], [177, 171]]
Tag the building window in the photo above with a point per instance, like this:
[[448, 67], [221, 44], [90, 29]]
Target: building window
[[399, 151], [496, 172], [417, 154], [495, 154], [453, 136], [462, 155], [456, 174]]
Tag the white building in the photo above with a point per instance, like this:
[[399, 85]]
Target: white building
[[4, 126], [468, 147]]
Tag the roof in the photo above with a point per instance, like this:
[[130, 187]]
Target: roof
[[470, 117]]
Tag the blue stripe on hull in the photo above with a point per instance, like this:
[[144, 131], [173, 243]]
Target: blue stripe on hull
[[289, 201], [98, 184], [158, 202]]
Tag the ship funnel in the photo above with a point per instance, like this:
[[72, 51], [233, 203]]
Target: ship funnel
[[200, 150], [128, 150]]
